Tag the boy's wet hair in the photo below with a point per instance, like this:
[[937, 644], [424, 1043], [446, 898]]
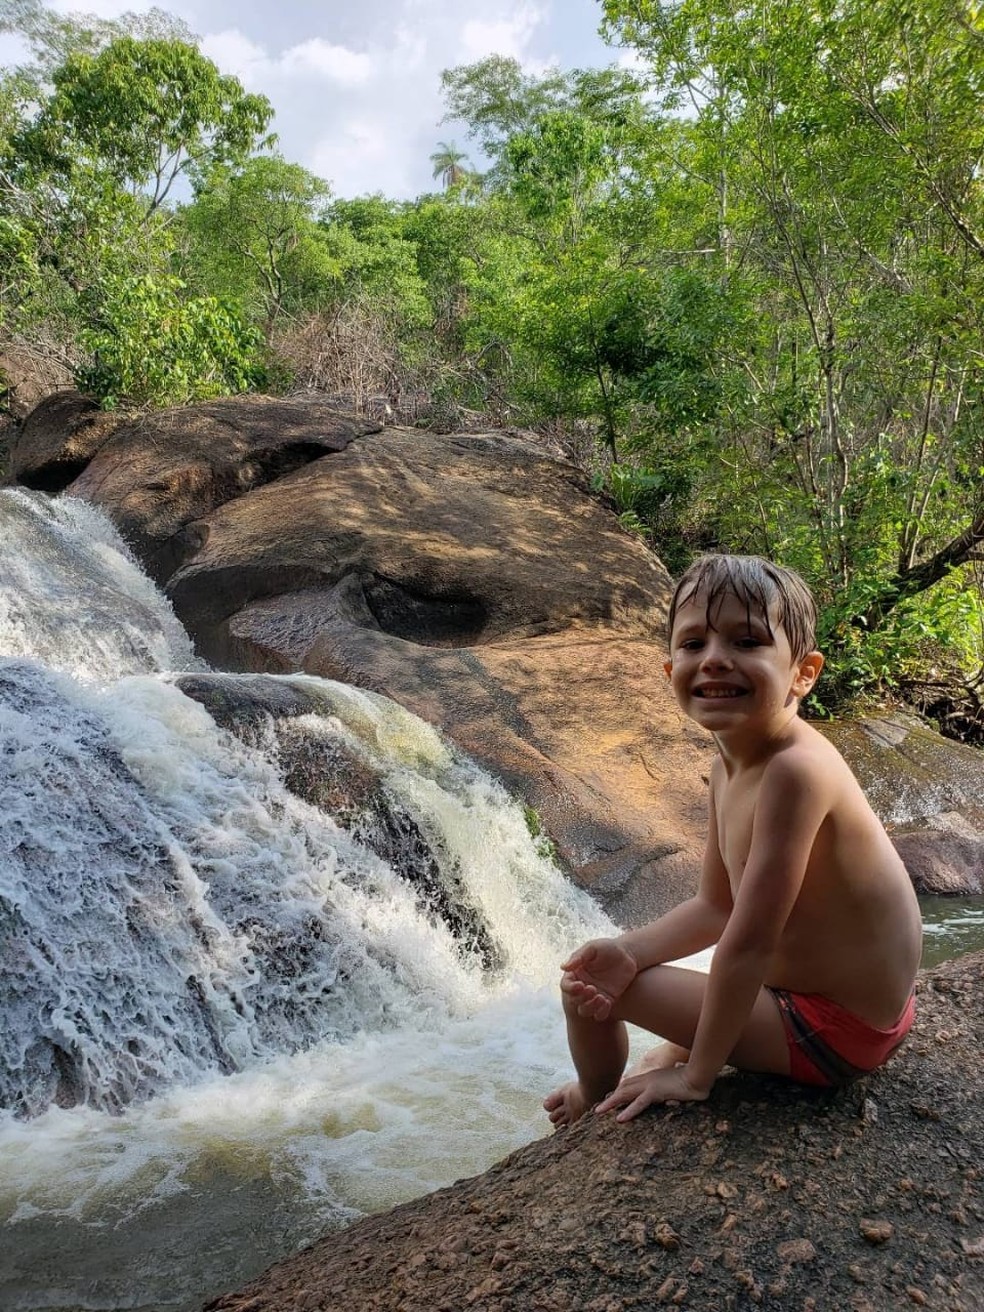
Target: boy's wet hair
[[764, 589]]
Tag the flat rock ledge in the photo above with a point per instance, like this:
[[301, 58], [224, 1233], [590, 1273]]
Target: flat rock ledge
[[867, 1199]]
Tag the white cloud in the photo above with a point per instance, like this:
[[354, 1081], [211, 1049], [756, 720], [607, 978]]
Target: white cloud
[[255, 67], [509, 35], [335, 63], [236, 54]]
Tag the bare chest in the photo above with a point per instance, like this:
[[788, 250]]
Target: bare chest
[[735, 820]]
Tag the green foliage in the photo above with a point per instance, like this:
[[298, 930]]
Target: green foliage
[[836, 156], [542, 842], [376, 257], [254, 236], [755, 269], [449, 165], [151, 345], [144, 111]]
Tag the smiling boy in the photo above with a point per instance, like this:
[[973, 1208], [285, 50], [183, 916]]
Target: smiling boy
[[815, 922]]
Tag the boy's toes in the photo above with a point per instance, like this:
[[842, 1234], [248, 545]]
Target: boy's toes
[[565, 1105]]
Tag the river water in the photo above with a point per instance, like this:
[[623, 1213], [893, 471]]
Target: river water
[[267, 1029]]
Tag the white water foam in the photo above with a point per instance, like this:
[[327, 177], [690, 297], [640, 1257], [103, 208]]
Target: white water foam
[[269, 1029], [73, 598]]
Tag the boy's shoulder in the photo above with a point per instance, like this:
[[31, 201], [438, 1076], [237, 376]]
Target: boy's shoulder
[[803, 759]]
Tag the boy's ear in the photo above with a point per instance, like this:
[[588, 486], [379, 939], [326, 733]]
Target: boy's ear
[[807, 673], [668, 667]]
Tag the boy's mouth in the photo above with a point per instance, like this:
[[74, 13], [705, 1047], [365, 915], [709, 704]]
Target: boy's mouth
[[718, 694]]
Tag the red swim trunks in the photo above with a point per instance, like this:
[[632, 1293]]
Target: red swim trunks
[[828, 1045]]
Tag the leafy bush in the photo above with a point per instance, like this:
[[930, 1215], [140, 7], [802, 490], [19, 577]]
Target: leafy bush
[[150, 345]]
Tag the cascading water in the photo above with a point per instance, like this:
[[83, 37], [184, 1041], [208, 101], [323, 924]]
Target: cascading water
[[228, 1017]]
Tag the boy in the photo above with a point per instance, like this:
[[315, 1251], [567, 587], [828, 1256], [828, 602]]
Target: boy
[[817, 927]]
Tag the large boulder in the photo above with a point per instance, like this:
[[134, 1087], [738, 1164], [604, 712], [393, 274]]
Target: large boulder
[[864, 1199], [57, 439], [159, 474], [473, 578]]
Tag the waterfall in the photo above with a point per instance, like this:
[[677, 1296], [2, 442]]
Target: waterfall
[[261, 935]]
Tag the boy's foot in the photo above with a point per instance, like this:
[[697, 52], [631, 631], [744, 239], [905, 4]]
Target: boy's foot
[[662, 1058], [567, 1104]]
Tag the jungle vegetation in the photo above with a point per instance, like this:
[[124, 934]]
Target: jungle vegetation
[[742, 284]]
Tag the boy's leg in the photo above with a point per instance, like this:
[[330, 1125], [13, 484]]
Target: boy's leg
[[599, 1050], [666, 1000], [661, 1058]]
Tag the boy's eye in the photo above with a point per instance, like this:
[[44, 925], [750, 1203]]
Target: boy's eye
[[749, 641], [691, 644]]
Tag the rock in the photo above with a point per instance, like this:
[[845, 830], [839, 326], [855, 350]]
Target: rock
[[876, 1232], [58, 439], [162, 473], [942, 862], [473, 578], [796, 1250], [327, 770], [771, 1256], [928, 791]]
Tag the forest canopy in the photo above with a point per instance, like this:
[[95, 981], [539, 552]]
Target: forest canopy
[[741, 284]]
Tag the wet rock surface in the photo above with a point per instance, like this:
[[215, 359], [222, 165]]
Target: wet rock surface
[[865, 1199], [329, 772]]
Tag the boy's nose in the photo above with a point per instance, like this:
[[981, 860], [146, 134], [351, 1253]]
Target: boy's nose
[[716, 657]]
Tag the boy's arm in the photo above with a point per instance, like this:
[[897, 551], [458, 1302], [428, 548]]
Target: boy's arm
[[793, 801], [601, 970]]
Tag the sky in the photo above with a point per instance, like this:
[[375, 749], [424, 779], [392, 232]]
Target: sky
[[355, 84]]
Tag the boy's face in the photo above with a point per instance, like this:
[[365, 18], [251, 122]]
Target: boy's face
[[730, 667]]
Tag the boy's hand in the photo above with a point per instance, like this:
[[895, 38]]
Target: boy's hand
[[596, 974], [636, 1092]]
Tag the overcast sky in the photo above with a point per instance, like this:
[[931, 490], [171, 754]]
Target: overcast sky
[[356, 83]]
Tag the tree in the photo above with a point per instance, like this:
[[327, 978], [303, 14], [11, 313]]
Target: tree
[[448, 162], [578, 285], [256, 237], [89, 150], [145, 111], [839, 154], [151, 344]]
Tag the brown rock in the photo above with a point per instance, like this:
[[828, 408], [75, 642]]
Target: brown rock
[[369, 1261], [162, 472], [796, 1250], [667, 1237], [58, 439], [928, 791], [472, 578], [876, 1232]]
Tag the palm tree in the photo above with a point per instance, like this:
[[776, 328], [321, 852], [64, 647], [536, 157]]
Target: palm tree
[[448, 163]]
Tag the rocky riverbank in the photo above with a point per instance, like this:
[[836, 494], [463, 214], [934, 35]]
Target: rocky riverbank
[[867, 1199]]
